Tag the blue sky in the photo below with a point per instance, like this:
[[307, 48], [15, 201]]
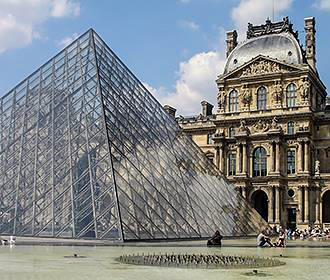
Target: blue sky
[[175, 47]]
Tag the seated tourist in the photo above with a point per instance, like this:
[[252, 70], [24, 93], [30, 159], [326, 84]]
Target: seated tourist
[[263, 239], [281, 240], [3, 241], [215, 239]]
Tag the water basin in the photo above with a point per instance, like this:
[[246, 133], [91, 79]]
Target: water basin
[[303, 261]]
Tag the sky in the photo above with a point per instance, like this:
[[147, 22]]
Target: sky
[[175, 47]]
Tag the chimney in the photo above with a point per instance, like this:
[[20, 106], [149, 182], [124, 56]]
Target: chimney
[[206, 108], [310, 41], [170, 110], [231, 41]]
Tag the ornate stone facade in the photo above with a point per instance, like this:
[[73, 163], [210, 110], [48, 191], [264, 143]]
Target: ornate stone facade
[[270, 134]]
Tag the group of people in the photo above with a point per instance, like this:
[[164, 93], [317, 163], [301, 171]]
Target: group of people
[[311, 233], [7, 241]]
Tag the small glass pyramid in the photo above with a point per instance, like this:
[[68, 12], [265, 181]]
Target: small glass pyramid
[[87, 152]]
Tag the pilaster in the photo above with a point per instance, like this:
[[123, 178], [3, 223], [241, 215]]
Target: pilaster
[[300, 204], [278, 205], [306, 211]]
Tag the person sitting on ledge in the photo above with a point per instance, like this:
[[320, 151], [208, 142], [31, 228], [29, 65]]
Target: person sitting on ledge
[[3, 241], [263, 239], [215, 239], [281, 240]]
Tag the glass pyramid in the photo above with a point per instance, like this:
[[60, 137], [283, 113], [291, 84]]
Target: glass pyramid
[[87, 152]]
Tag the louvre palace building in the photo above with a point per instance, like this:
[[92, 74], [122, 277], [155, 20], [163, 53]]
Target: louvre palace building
[[270, 131]]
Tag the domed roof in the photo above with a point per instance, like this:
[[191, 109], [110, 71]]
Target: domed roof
[[282, 46]]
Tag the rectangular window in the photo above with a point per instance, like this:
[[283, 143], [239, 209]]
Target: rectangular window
[[290, 128], [232, 165], [291, 162], [209, 139]]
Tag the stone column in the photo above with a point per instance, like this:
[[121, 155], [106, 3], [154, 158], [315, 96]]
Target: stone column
[[278, 205], [270, 206], [278, 157], [306, 157], [272, 167], [300, 204], [238, 159], [245, 160], [222, 159], [321, 210], [306, 212], [317, 206], [300, 156]]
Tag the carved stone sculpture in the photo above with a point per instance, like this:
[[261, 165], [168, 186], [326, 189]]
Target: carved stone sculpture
[[261, 67], [275, 125], [261, 126], [246, 96], [221, 100], [243, 128], [304, 89], [277, 93], [317, 167]]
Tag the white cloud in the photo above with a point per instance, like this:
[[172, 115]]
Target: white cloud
[[20, 19], [323, 4], [67, 40], [196, 83], [13, 33], [184, 1], [189, 24], [255, 12], [196, 80], [62, 8]]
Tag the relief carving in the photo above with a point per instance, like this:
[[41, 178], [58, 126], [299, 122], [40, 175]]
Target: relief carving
[[274, 125], [246, 96], [232, 147], [304, 89], [261, 126], [292, 143], [277, 93], [243, 129], [261, 67], [222, 98]]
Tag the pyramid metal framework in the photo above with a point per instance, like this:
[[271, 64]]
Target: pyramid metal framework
[[87, 152]]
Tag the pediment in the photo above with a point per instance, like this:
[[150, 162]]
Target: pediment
[[259, 66]]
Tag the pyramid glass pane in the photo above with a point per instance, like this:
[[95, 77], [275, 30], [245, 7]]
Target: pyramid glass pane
[[87, 152]]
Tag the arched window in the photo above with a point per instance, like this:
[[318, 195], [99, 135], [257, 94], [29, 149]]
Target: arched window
[[291, 95], [262, 98], [233, 101], [291, 161], [259, 162], [231, 164], [290, 128]]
